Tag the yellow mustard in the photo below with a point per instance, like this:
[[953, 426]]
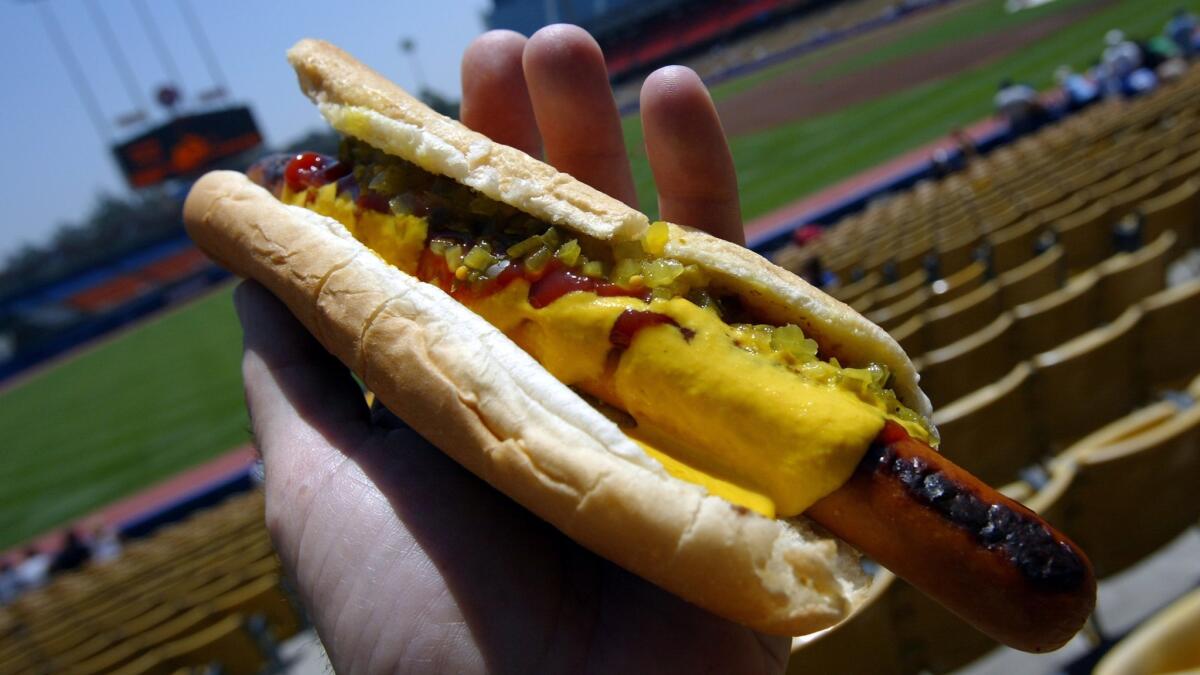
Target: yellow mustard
[[741, 424]]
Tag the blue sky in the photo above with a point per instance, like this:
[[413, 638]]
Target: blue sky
[[55, 163]]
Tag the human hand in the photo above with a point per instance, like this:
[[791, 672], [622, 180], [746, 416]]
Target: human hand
[[404, 560]]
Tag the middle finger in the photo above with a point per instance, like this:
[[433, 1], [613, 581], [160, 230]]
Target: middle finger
[[575, 109]]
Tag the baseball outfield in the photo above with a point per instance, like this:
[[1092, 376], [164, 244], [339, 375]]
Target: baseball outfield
[[166, 395]]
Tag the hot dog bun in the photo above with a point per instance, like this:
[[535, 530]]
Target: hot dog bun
[[467, 388]]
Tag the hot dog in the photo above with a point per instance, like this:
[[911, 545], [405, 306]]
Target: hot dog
[[686, 402]]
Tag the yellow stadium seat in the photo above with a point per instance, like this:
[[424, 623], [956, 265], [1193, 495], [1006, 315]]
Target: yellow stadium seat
[[791, 257], [1051, 320], [227, 643], [910, 259], [1169, 642], [956, 285], [840, 649], [850, 292], [1184, 169], [1036, 278], [1177, 211], [1126, 278], [1167, 335], [891, 316], [902, 288], [1158, 162], [1134, 424], [910, 336], [1063, 208], [1087, 236], [150, 663], [953, 371], [1015, 244], [959, 318], [1111, 185], [1086, 382], [86, 650], [262, 597], [958, 252], [148, 620], [107, 661], [989, 432], [1142, 487], [932, 638], [1124, 201]]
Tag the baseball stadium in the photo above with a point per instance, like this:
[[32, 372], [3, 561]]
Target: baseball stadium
[[1010, 189]]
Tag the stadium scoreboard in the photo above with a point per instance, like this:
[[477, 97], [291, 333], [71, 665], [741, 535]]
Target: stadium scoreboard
[[187, 145]]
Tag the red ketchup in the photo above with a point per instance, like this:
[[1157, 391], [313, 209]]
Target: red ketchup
[[559, 280], [631, 321], [311, 169]]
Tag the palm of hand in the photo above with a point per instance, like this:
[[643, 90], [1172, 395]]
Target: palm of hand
[[406, 561]]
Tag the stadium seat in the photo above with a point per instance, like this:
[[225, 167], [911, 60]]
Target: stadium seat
[[227, 643], [840, 649], [1106, 188], [1130, 426], [911, 336], [911, 258], [1126, 278], [1015, 244], [1086, 382], [989, 431], [1142, 486], [1165, 643], [958, 252], [953, 371], [1124, 201], [1087, 236], [933, 639], [959, 318], [902, 288], [1177, 211], [1183, 170], [1041, 197], [1158, 161], [957, 284], [262, 597], [108, 660], [1063, 208], [1051, 320], [850, 292], [891, 316], [1036, 278], [1167, 335]]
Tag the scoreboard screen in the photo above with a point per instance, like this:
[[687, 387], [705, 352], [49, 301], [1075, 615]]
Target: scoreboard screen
[[187, 145]]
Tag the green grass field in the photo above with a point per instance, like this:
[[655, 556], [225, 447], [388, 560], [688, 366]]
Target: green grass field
[[167, 395], [124, 415], [778, 166]]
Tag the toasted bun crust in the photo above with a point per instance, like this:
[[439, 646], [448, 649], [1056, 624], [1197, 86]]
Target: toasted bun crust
[[467, 388]]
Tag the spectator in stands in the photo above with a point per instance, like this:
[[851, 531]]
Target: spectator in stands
[[1017, 104], [106, 543], [404, 559], [1078, 90], [1120, 59], [965, 144], [1181, 29], [74, 554], [34, 571], [10, 587]]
